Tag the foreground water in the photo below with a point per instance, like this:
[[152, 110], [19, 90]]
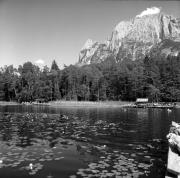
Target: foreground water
[[74, 142]]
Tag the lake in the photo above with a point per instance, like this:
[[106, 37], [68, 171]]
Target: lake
[[49, 142]]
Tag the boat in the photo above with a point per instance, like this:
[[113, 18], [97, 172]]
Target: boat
[[173, 161]]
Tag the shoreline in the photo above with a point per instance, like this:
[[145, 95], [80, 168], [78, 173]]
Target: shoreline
[[8, 103], [91, 104], [65, 104], [80, 104]]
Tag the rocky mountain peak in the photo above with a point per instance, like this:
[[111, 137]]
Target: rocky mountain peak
[[134, 38], [88, 44], [142, 29]]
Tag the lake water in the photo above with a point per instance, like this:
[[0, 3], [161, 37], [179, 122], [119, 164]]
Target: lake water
[[51, 142]]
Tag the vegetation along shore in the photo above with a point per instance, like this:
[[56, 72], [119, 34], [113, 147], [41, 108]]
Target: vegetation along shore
[[62, 103], [148, 78], [89, 104]]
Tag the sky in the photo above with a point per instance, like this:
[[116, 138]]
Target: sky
[[43, 30]]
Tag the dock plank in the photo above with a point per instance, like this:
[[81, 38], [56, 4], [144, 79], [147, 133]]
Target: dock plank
[[173, 165]]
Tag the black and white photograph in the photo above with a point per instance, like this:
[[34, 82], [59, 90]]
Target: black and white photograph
[[89, 89]]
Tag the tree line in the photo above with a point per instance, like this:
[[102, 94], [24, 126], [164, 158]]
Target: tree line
[[157, 78]]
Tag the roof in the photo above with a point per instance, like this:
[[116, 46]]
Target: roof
[[40, 99], [144, 100]]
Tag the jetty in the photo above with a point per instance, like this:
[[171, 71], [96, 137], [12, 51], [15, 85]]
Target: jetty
[[144, 103], [173, 162]]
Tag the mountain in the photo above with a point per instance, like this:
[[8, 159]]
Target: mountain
[[164, 48], [135, 38], [93, 52]]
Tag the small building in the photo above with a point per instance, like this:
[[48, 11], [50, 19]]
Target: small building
[[142, 100]]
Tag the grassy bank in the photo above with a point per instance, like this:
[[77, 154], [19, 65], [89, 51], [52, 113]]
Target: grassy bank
[[80, 104], [89, 103], [62, 103], [4, 103]]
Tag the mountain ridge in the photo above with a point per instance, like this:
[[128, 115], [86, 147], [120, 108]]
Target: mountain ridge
[[133, 39]]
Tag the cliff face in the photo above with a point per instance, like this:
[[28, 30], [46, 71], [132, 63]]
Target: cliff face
[[133, 39], [170, 28], [94, 53]]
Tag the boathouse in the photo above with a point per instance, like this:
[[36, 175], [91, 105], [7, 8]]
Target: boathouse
[[141, 102]]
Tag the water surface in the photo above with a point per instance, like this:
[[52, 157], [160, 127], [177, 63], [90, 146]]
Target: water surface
[[83, 142]]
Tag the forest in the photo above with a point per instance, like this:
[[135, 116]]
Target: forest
[[112, 79]]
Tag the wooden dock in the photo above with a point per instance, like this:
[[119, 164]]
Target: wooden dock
[[152, 105]]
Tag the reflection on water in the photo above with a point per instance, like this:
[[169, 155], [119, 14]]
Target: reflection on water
[[75, 142]]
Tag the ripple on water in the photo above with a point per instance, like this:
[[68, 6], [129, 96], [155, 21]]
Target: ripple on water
[[38, 139]]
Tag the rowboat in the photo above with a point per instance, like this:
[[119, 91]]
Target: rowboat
[[173, 161]]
